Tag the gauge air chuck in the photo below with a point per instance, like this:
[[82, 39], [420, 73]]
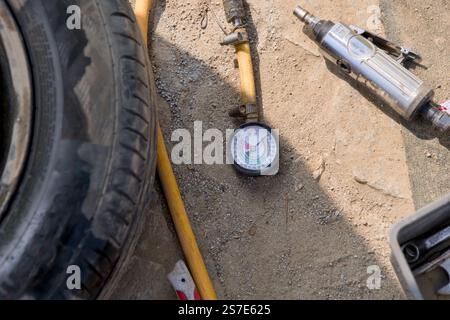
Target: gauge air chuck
[[378, 65]]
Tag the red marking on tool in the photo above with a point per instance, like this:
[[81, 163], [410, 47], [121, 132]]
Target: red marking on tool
[[445, 107]]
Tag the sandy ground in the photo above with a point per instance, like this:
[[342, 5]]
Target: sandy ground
[[348, 169]]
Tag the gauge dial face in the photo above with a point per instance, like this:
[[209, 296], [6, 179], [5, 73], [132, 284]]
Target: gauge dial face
[[254, 148]]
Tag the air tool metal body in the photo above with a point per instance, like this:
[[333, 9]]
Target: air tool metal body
[[378, 65], [254, 146]]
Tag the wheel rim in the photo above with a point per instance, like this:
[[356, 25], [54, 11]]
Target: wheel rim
[[15, 107]]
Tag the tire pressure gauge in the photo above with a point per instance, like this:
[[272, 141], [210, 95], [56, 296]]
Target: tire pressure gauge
[[254, 149]]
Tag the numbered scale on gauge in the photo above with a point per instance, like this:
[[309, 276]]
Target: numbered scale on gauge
[[254, 148]]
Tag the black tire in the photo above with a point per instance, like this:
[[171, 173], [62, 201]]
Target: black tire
[[91, 165]]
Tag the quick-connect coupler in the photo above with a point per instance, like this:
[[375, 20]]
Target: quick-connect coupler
[[377, 64]]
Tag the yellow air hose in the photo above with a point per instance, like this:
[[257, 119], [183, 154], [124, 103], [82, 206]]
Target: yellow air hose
[[172, 192]]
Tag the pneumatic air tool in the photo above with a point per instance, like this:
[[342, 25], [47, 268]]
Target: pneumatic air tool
[[378, 65]]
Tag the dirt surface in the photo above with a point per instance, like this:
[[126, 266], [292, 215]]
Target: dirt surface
[[312, 231]]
